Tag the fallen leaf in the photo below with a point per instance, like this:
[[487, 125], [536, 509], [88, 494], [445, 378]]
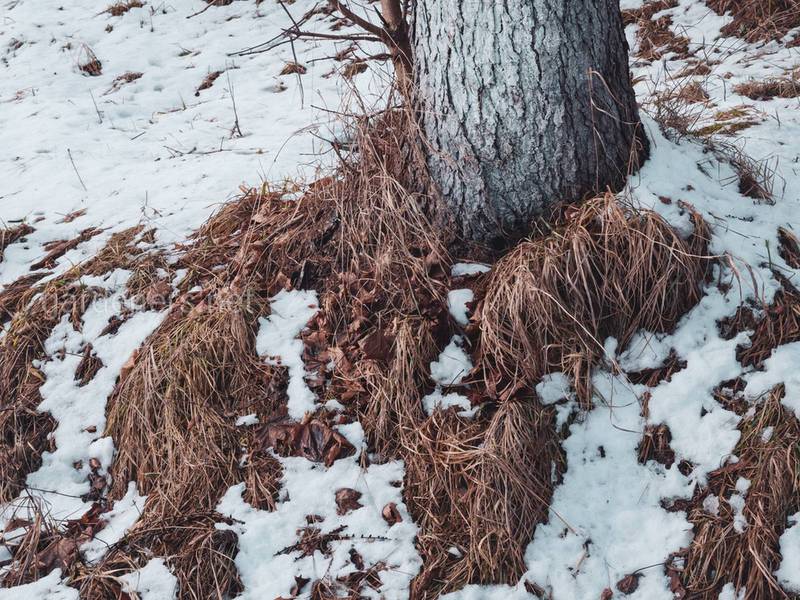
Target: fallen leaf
[[390, 514], [347, 500], [313, 440], [629, 583]]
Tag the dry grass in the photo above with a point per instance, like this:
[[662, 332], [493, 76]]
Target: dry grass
[[481, 487], [24, 430], [89, 63], [200, 555], [120, 80], [16, 294], [120, 8], [12, 234], [758, 20], [655, 37], [207, 82], [778, 325], [171, 415], [774, 87], [719, 553], [789, 247], [34, 309], [58, 248], [609, 270]]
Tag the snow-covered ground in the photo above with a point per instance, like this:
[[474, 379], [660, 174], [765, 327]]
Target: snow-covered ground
[[157, 151]]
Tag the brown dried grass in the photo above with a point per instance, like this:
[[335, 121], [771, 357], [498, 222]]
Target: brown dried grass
[[789, 247], [10, 235], [34, 309], [719, 554], [120, 8], [171, 415], [200, 555], [777, 325], [655, 37], [481, 487], [24, 430], [758, 20], [774, 87], [610, 270]]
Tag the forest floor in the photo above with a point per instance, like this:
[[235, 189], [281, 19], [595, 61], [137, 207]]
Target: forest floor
[[160, 440]]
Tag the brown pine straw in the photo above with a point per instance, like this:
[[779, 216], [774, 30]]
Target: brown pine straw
[[610, 270], [718, 553]]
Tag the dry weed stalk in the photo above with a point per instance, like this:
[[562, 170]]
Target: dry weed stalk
[[769, 458]]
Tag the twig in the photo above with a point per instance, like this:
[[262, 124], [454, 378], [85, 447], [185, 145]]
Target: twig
[[69, 153], [99, 114], [235, 128], [294, 55]]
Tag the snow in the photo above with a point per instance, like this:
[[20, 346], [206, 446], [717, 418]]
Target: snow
[[277, 340], [449, 370], [153, 152], [457, 301], [606, 519], [117, 522], [154, 581], [469, 269], [268, 571], [788, 573], [781, 367], [729, 593], [48, 587], [737, 502], [453, 363]]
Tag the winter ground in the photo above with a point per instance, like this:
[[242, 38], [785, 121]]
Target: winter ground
[[156, 150]]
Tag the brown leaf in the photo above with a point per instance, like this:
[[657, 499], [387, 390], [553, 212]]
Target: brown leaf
[[629, 583], [157, 295], [376, 346], [128, 366], [299, 584], [314, 440], [390, 514], [607, 594], [347, 500]]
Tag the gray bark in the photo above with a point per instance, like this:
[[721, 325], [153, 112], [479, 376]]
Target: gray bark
[[525, 103]]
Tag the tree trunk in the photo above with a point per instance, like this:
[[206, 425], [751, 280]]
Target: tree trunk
[[525, 103]]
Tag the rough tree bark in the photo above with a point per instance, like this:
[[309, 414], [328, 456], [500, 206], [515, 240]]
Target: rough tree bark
[[525, 103]]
